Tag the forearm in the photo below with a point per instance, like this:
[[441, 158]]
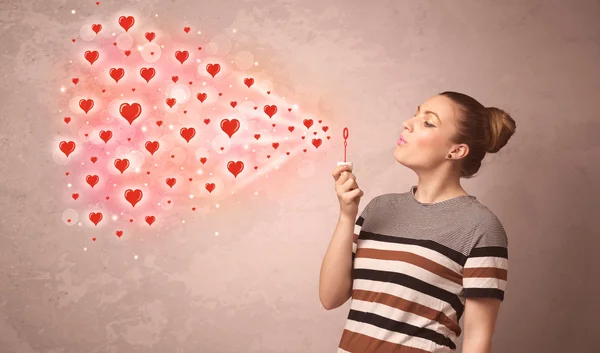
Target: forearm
[[477, 344], [335, 282]]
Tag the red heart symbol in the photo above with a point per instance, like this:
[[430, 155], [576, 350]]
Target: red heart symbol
[[94, 159], [152, 146], [182, 56], [275, 145], [67, 119], [325, 128], [97, 2], [187, 133], [233, 104], [287, 153], [103, 90], [255, 108], [199, 48], [206, 121], [67, 147], [190, 179], [86, 134], [121, 164], [268, 92], [92, 180], [115, 44], [147, 74], [171, 102], [175, 79], [150, 36], [249, 82], [303, 137], [159, 122], [255, 167], [75, 196], [95, 217], [67, 173], [270, 110], [119, 233], [133, 196], [308, 123], [190, 83], [75, 80], [94, 239], [320, 121], [317, 142], [230, 126], [126, 22], [220, 94], [150, 220], [148, 172], [289, 109], [186, 29], [203, 160], [274, 125], [201, 97], [169, 202], [107, 197], [328, 137], [291, 128], [193, 208], [257, 136], [91, 56], [96, 28], [210, 187], [127, 52], [213, 69], [185, 112], [304, 150], [171, 182], [86, 105], [235, 168], [269, 156], [130, 112], [314, 133], [133, 89], [116, 74]]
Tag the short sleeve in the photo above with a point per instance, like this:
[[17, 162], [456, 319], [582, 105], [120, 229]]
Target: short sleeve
[[485, 273]]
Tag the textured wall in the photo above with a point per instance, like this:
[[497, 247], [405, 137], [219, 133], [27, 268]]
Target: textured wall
[[254, 287]]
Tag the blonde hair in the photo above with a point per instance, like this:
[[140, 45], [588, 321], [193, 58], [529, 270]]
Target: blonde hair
[[484, 130]]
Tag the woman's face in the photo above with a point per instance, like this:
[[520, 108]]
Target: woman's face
[[425, 138]]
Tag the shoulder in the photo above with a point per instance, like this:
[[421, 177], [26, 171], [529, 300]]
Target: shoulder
[[490, 231]]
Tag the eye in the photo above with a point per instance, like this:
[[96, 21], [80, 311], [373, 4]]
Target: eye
[[428, 124]]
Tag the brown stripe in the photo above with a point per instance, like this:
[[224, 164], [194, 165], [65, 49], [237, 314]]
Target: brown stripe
[[485, 272], [355, 238], [414, 259], [407, 306], [357, 342]]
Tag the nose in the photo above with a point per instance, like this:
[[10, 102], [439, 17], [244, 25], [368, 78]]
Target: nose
[[407, 124]]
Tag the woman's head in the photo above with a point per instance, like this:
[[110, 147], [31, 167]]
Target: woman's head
[[453, 132]]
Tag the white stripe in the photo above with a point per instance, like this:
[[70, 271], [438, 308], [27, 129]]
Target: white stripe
[[357, 229], [498, 262], [388, 336], [342, 351], [409, 270], [401, 316], [493, 283], [354, 246], [415, 249], [405, 293]]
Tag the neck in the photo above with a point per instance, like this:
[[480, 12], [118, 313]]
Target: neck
[[434, 187]]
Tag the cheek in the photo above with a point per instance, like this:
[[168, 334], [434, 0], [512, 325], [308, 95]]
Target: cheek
[[429, 141]]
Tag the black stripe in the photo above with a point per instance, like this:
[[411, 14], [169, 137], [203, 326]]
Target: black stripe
[[412, 283], [359, 221], [494, 251], [429, 244], [401, 327], [484, 293]]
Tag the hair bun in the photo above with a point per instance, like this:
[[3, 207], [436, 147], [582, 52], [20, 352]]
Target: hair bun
[[502, 127]]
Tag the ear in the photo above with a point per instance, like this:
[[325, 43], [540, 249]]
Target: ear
[[459, 151]]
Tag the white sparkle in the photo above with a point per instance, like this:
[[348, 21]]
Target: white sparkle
[[62, 89], [171, 127], [216, 233], [137, 170], [84, 249], [217, 205], [191, 196], [114, 184], [156, 15], [183, 221], [234, 30], [69, 185], [256, 63], [73, 12], [144, 128], [135, 257], [256, 193], [139, 47], [115, 217]]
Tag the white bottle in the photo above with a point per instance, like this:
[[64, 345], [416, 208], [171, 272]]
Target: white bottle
[[346, 163]]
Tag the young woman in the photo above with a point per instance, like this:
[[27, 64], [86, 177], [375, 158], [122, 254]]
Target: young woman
[[422, 259]]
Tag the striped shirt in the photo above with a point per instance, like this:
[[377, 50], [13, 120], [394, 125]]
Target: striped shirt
[[414, 265]]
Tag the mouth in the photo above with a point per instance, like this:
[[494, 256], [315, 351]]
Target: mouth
[[401, 141]]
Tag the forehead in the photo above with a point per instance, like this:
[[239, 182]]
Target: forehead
[[442, 106]]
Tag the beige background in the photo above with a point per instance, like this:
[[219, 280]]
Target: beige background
[[365, 65]]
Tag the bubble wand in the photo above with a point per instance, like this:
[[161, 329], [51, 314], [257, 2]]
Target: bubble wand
[[345, 135]]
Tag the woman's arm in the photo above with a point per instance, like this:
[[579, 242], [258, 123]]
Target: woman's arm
[[479, 324]]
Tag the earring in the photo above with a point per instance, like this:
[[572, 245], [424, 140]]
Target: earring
[[449, 155]]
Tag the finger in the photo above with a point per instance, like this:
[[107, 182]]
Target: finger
[[337, 171], [349, 185], [351, 196]]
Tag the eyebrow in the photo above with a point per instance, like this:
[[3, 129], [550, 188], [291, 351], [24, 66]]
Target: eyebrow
[[430, 112]]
